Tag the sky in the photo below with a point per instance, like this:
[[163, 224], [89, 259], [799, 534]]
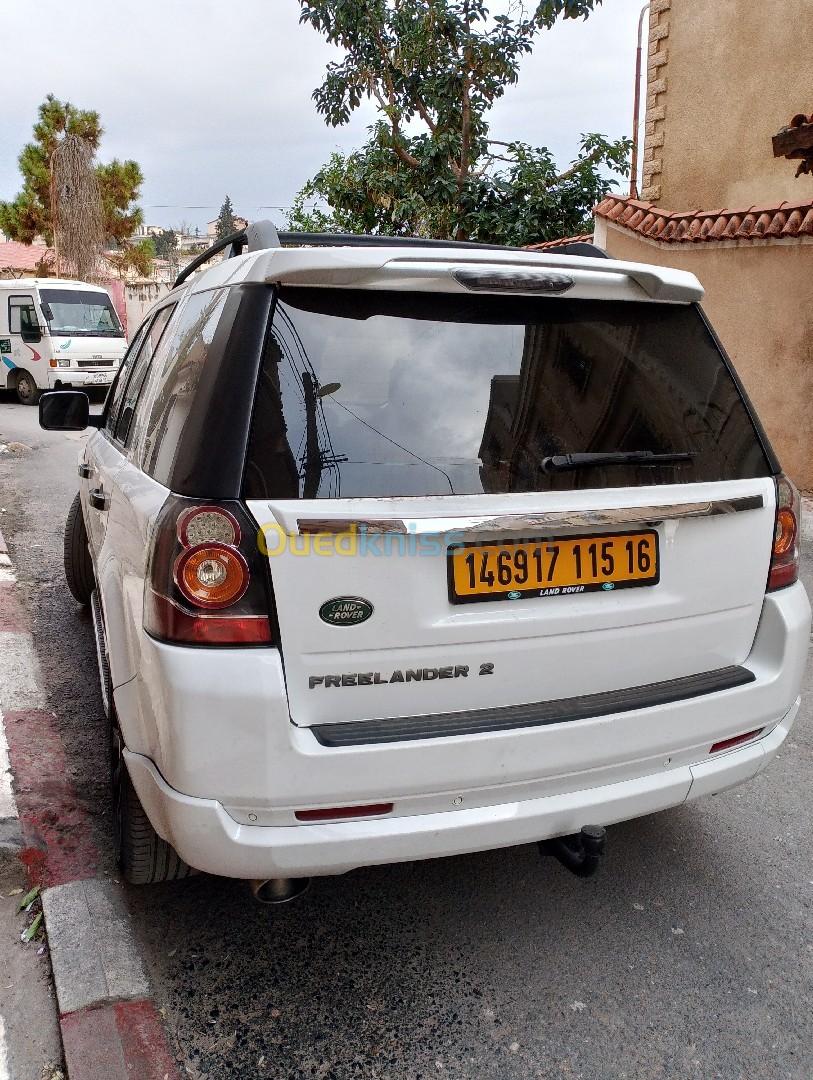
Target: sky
[[213, 97]]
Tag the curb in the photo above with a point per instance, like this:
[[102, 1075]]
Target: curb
[[111, 1029]]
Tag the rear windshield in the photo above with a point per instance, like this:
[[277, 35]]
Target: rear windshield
[[380, 394], [80, 313]]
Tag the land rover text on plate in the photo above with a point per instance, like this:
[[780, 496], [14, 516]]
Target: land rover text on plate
[[402, 549]]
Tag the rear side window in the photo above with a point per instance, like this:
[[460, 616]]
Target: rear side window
[[113, 403], [381, 394], [138, 373], [185, 351]]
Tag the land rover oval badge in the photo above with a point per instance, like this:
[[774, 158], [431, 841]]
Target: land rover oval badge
[[345, 611]]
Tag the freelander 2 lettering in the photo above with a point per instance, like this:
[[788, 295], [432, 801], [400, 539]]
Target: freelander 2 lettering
[[375, 678]]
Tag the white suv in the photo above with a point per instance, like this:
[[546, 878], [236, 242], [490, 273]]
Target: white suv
[[398, 550]]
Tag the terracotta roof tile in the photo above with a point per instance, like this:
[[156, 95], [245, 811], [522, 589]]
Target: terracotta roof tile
[[14, 256], [583, 238], [704, 226]]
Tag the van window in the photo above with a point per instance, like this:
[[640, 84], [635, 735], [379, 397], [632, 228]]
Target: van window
[[80, 313], [22, 316], [140, 367], [367, 393]]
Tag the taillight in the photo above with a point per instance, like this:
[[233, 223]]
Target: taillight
[[207, 581], [212, 575], [785, 553]]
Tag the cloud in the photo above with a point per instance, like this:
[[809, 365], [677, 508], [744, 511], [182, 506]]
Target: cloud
[[213, 98]]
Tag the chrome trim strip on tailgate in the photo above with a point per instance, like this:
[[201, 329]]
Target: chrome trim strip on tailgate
[[538, 714], [557, 519]]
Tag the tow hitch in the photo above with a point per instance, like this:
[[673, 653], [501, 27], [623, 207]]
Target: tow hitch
[[580, 853]]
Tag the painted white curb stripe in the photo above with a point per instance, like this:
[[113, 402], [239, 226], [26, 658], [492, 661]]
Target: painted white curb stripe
[[20, 679], [8, 804]]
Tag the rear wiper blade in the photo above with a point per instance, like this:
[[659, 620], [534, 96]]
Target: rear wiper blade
[[567, 462]]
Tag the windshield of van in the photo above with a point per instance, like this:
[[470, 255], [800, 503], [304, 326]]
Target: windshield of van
[[369, 393], [80, 313]]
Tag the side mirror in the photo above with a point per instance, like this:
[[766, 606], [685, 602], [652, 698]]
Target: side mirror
[[66, 410], [32, 335]]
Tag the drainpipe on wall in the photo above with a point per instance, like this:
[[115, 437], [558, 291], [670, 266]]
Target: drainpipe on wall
[[636, 109]]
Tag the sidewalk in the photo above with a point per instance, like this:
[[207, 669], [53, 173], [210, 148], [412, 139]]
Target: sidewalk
[[30, 1044], [109, 1026]]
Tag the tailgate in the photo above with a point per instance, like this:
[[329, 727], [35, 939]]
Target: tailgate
[[482, 501], [419, 652]]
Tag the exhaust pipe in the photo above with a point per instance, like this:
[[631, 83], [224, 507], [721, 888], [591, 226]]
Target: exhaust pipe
[[279, 890]]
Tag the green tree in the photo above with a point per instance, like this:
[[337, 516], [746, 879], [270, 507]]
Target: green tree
[[434, 68], [225, 219], [29, 215], [135, 258], [166, 244]]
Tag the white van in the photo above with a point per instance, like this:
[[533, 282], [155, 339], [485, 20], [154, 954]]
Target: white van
[[56, 333]]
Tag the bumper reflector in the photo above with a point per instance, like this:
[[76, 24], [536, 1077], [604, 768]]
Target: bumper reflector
[[728, 744], [339, 813]]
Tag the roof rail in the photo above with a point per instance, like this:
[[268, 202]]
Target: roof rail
[[307, 239], [263, 234], [236, 241]]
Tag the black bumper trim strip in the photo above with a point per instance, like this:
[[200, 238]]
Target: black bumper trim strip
[[537, 714]]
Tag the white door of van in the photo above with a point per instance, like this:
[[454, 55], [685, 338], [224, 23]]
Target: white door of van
[[27, 367]]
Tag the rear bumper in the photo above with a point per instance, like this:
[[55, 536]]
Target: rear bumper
[[208, 838]]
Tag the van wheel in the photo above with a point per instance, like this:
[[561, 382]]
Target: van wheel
[[27, 392], [78, 564], [145, 859]]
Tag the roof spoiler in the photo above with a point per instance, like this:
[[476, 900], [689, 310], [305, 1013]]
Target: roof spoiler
[[657, 283]]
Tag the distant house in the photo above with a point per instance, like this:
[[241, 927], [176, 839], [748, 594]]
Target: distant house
[[25, 260], [143, 232], [211, 227], [723, 81]]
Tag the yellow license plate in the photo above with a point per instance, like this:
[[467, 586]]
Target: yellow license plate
[[556, 566]]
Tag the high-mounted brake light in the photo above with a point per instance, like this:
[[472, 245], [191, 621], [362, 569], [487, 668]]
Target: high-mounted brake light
[[533, 281], [207, 582], [785, 552]]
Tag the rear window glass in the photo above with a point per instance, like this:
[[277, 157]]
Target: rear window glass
[[379, 394]]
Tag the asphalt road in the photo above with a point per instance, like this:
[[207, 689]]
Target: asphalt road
[[689, 956]]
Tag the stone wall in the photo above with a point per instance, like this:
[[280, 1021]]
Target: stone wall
[[759, 297], [722, 79]]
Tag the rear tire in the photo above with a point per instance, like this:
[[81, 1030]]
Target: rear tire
[[145, 859], [27, 392], [78, 563]]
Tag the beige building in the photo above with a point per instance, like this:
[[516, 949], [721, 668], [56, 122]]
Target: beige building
[[723, 79]]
